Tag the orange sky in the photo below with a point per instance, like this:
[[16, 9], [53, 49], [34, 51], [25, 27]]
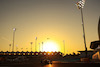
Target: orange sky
[[55, 19]]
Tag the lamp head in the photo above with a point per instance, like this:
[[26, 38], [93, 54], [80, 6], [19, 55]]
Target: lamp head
[[14, 29]]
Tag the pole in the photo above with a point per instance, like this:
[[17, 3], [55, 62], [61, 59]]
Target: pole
[[31, 46], [13, 38], [22, 49], [16, 47], [83, 32], [39, 47], [35, 43], [9, 47], [64, 46], [42, 46], [26, 49]]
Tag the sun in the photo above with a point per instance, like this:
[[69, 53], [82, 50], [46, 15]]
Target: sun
[[50, 46]]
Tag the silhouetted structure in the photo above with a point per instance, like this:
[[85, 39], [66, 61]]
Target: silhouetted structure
[[96, 45], [83, 54]]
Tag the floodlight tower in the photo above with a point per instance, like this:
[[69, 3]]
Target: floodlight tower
[[80, 6], [14, 29], [9, 47], [42, 46], [35, 43], [16, 47], [64, 46], [31, 46]]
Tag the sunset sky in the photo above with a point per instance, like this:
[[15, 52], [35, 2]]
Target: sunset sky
[[51, 21]]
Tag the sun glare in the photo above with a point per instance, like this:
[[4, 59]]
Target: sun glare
[[50, 46]]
